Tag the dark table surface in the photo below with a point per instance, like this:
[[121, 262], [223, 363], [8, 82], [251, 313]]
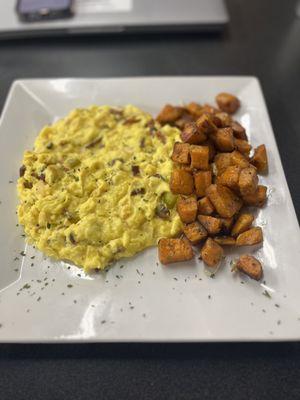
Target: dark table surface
[[262, 40]]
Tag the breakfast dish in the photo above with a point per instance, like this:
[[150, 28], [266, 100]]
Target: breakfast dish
[[45, 299], [95, 188]]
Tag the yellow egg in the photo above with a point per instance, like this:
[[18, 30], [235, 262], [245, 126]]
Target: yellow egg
[[96, 186]]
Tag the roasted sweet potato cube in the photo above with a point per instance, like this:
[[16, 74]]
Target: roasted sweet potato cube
[[225, 201], [183, 120], [191, 134], [238, 130], [181, 153], [224, 119], [239, 159], [195, 109], [211, 149], [226, 224], [211, 253], [202, 180], [242, 146], [225, 240], [227, 102], [199, 157], [205, 124], [169, 114], [248, 181], [260, 159], [223, 139], [230, 177], [250, 266], [205, 206], [195, 232], [187, 208], [211, 224], [242, 224], [181, 182], [222, 161], [250, 237], [258, 198], [174, 250]]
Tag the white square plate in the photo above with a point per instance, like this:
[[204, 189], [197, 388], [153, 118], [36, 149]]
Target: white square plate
[[138, 299]]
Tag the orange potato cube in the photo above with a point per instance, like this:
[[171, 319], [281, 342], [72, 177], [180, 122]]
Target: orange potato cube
[[250, 237], [222, 161], [258, 198], [250, 266], [195, 109], [181, 182], [205, 124], [224, 119], [223, 139], [191, 134], [169, 114], [202, 180], [242, 146], [199, 157], [238, 159], [181, 153], [238, 130], [174, 250], [225, 240], [248, 181], [242, 224], [226, 202], [230, 177], [195, 232], [227, 102], [205, 206], [260, 159], [211, 253], [187, 209], [211, 224]]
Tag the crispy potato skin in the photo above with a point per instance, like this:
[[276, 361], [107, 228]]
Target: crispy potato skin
[[223, 139], [205, 124], [250, 237], [225, 240], [191, 134], [205, 206], [242, 146], [238, 130], [199, 157], [202, 180], [242, 224], [187, 209], [195, 232], [169, 114], [248, 181], [211, 224], [211, 253], [258, 198], [227, 102], [250, 266], [224, 200], [181, 182], [181, 153], [174, 250], [260, 159]]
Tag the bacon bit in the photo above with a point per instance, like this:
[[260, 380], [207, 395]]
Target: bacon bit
[[22, 171], [131, 120], [72, 239], [93, 143], [142, 143], [135, 170], [137, 191], [27, 185], [42, 177], [161, 137]]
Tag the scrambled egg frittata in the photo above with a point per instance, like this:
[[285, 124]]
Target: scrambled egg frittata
[[96, 186]]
